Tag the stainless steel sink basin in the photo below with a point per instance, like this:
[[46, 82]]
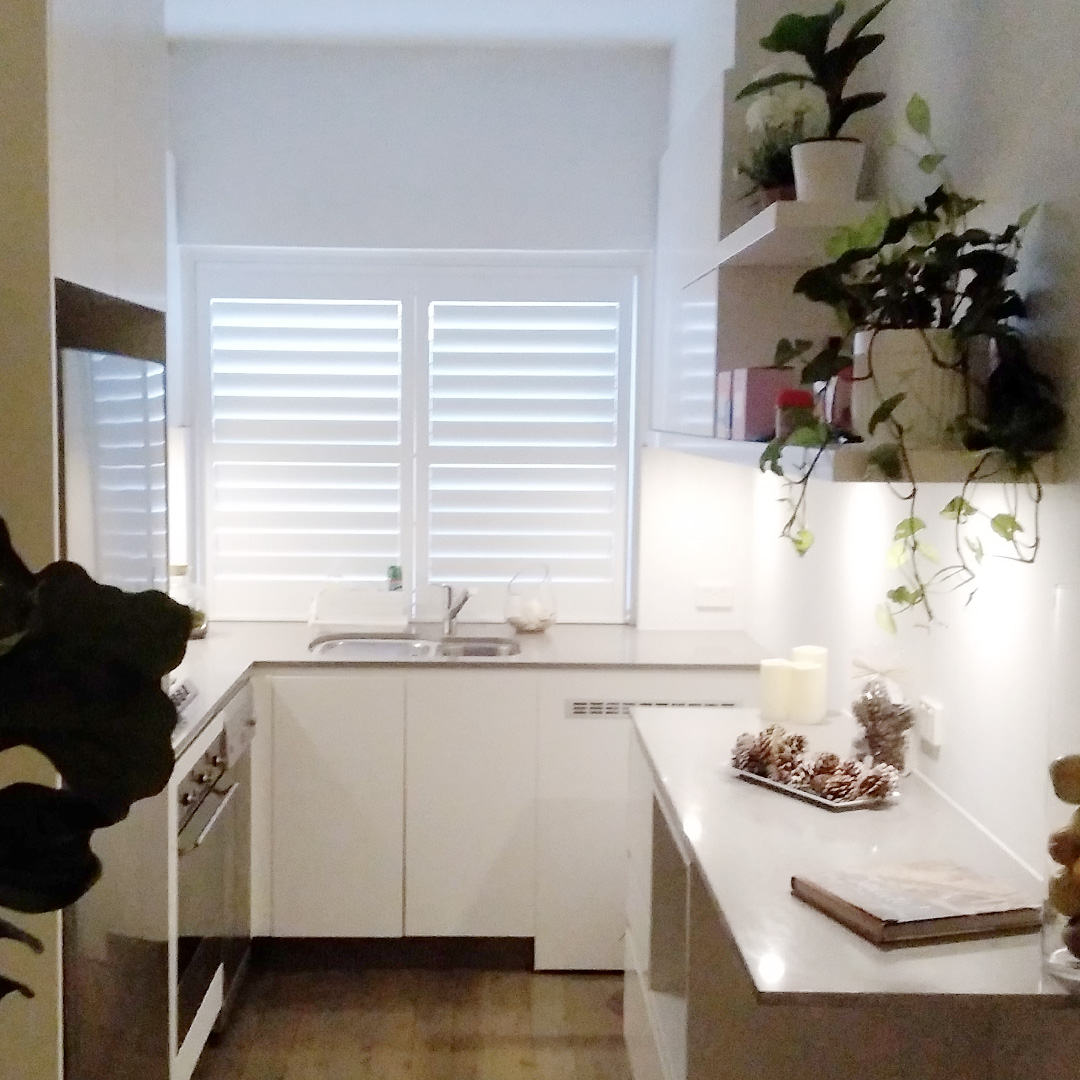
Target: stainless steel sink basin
[[373, 649], [463, 647]]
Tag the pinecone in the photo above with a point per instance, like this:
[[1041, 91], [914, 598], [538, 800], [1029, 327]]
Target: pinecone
[[840, 787], [826, 763], [802, 775], [879, 782], [752, 753], [850, 769], [884, 723], [796, 744], [784, 765]]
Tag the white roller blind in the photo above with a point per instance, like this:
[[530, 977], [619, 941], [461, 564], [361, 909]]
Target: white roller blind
[[306, 475], [526, 457]]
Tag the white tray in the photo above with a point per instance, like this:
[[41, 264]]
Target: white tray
[[865, 803]]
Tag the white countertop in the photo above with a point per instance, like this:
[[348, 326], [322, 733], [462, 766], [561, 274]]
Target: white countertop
[[748, 842], [219, 663]]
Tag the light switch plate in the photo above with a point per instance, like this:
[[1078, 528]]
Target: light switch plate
[[714, 596], [929, 718]]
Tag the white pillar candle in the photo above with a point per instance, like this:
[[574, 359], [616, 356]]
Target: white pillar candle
[[813, 654], [807, 700], [775, 690]]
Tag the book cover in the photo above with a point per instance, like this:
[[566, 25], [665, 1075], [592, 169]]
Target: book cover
[[915, 903]]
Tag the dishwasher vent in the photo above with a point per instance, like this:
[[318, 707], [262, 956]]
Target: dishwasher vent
[[622, 708]]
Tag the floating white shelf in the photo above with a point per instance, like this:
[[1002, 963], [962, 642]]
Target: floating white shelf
[[846, 464], [788, 234]]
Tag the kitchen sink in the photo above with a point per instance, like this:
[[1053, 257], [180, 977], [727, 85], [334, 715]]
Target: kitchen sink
[[363, 647], [463, 647], [374, 649]]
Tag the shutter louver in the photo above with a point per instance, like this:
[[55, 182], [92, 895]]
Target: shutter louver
[[306, 449]]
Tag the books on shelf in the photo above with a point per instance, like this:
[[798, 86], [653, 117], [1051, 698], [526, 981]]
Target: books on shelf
[[919, 903]]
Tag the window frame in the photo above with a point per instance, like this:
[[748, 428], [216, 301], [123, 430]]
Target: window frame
[[317, 274]]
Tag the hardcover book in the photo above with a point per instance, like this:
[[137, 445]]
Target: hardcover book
[[918, 903]]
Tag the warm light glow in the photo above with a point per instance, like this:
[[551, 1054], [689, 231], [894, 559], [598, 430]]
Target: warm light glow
[[771, 970]]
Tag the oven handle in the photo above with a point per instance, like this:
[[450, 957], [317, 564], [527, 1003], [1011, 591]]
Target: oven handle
[[213, 820]]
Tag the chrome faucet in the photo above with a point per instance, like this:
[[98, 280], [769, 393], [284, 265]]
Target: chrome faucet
[[453, 608]]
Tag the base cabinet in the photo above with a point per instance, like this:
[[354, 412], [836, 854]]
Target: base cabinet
[[338, 792], [470, 807]]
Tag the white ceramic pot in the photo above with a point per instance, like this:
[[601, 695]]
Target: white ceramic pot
[[890, 362], [828, 170]]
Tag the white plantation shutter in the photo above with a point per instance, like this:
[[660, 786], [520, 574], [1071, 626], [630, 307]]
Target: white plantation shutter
[[306, 478], [476, 426], [526, 456], [128, 402]]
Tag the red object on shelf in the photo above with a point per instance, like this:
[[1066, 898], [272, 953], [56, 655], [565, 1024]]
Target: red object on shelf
[[795, 399], [753, 401]]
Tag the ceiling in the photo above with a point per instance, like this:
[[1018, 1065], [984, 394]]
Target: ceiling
[[614, 21]]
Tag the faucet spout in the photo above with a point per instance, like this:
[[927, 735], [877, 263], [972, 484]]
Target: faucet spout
[[453, 607]]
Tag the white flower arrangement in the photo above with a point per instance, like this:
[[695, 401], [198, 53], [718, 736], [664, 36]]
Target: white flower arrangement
[[798, 109]]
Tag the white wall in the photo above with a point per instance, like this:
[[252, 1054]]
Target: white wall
[[1000, 78], [540, 147]]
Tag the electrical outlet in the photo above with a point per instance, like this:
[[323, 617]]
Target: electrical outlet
[[713, 596], [929, 720]]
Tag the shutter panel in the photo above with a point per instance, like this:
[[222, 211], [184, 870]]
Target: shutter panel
[[526, 460], [128, 401], [306, 464]]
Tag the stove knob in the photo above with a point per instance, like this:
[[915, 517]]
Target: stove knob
[[187, 798], [217, 760], [202, 778]]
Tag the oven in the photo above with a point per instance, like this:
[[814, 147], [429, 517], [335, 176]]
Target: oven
[[213, 875]]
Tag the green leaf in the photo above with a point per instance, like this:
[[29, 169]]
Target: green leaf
[[958, 509], [897, 555], [908, 528], [827, 364], [782, 78], [918, 115], [1027, 216], [770, 458], [927, 550], [806, 35], [905, 596], [1006, 526], [885, 619], [847, 107], [788, 350], [861, 23], [930, 163], [975, 545], [884, 411], [809, 436], [803, 541], [886, 459]]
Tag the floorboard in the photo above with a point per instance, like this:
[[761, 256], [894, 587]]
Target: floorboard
[[422, 1025]]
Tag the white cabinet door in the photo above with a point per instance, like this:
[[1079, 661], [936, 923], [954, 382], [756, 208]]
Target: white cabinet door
[[338, 792], [582, 797], [470, 819]]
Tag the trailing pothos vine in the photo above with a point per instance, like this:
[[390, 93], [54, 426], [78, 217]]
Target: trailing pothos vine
[[925, 269]]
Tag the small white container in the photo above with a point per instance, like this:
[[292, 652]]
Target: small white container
[[828, 170]]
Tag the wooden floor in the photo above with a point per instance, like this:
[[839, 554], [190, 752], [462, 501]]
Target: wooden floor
[[423, 1025]]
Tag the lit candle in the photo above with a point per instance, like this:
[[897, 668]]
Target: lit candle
[[807, 700], [775, 690]]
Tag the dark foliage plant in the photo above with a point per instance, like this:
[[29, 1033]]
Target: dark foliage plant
[[830, 66], [81, 667], [925, 269]]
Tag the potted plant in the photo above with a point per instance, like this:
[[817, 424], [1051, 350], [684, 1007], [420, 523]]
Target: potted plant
[[777, 119], [826, 168], [921, 299], [81, 666]]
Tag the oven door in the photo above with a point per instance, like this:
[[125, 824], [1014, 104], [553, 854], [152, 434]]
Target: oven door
[[206, 854]]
